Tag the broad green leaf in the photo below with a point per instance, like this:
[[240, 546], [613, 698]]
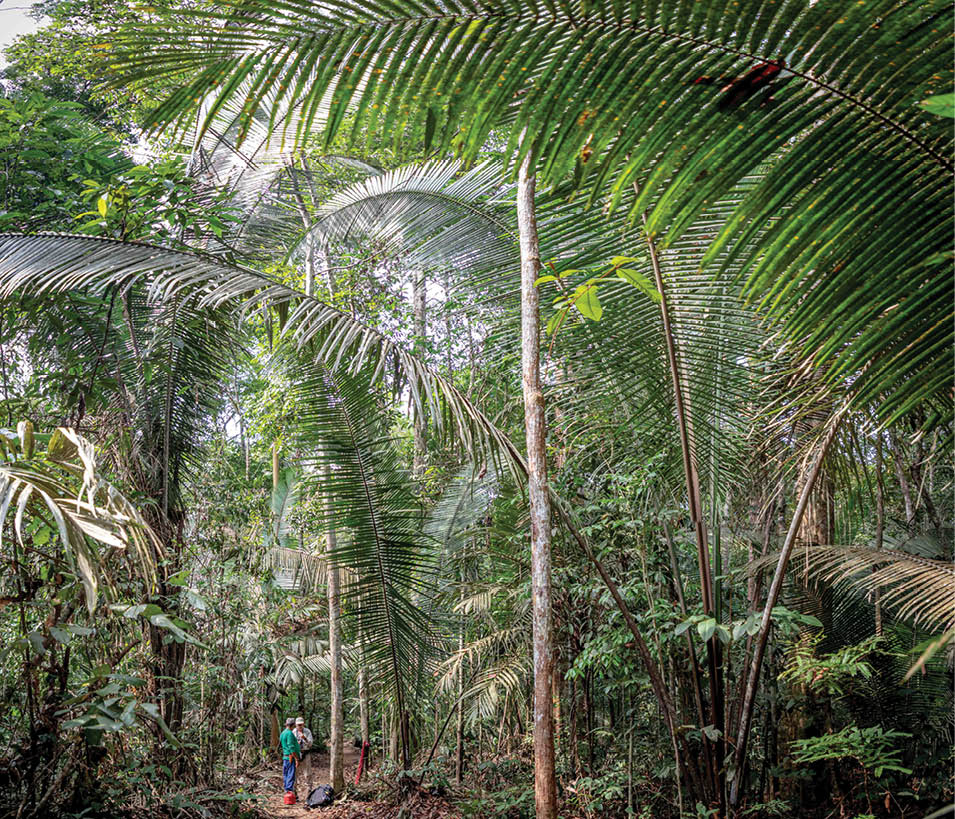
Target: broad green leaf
[[706, 628], [942, 104], [586, 301], [641, 282], [179, 578], [712, 732]]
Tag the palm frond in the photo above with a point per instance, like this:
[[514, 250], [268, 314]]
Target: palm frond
[[297, 568], [461, 507], [919, 589], [343, 427], [820, 95], [57, 263]]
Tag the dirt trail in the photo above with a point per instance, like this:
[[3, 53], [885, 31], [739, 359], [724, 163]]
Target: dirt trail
[[423, 807], [275, 805]]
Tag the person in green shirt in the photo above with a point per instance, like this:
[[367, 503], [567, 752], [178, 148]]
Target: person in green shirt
[[291, 754]]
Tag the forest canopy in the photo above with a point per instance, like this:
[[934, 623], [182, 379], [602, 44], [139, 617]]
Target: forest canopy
[[551, 403]]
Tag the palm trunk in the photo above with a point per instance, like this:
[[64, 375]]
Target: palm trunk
[[459, 732], [545, 787], [274, 715], [879, 524], [714, 652], [419, 299], [336, 763], [762, 636]]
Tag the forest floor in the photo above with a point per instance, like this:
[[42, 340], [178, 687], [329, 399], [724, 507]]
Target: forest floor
[[422, 806]]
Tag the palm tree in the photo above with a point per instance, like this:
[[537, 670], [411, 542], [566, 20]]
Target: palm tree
[[789, 184]]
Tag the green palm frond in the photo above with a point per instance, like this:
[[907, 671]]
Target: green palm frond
[[434, 215], [918, 589], [682, 100], [344, 427], [462, 507], [501, 663], [302, 658], [297, 568], [56, 263], [62, 488]]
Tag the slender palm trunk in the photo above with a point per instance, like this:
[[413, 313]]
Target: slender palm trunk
[[717, 771], [336, 762], [459, 728], [545, 788], [879, 524], [762, 636], [420, 308], [364, 711]]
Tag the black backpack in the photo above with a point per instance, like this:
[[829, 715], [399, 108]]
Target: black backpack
[[320, 797]]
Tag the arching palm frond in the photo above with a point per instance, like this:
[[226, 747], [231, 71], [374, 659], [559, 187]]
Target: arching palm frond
[[500, 662], [919, 589], [59, 263], [297, 568], [434, 216], [682, 100], [462, 507], [344, 428]]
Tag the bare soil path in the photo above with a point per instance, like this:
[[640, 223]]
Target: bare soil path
[[319, 776], [424, 807]]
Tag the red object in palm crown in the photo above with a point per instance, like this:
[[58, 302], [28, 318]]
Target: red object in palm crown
[[739, 89], [742, 88]]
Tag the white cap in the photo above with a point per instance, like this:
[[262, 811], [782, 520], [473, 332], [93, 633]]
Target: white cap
[[300, 721]]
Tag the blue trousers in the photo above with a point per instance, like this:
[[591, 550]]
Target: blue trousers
[[288, 774]]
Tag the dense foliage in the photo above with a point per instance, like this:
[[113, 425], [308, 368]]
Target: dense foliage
[[263, 437]]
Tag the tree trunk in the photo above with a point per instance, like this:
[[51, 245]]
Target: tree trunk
[[879, 524], [762, 636], [545, 786], [419, 298], [273, 710], [364, 710], [897, 461], [336, 764], [684, 422], [459, 732]]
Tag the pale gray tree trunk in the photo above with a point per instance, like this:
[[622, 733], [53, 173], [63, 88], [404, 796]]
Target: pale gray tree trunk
[[336, 746], [419, 304], [545, 787], [364, 708], [459, 732]]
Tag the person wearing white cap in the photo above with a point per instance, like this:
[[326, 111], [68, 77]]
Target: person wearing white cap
[[305, 740]]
